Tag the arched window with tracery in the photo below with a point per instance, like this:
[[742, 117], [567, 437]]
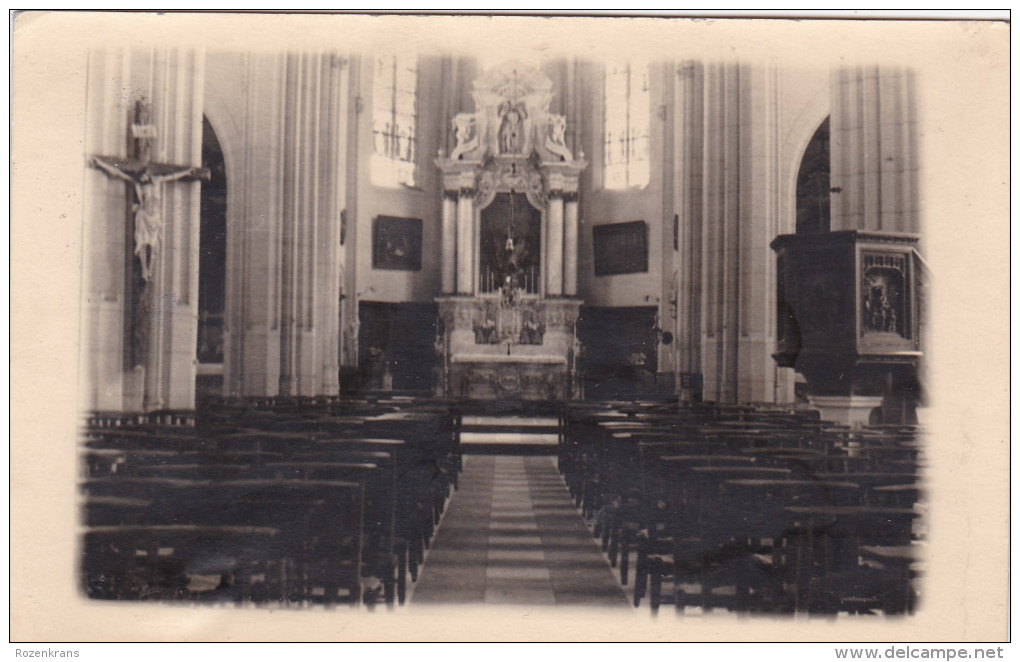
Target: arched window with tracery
[[394, 120], [626, 113]]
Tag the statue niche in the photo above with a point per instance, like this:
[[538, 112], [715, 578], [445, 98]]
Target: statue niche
[[883, 295], [511, 128], [511, 244]]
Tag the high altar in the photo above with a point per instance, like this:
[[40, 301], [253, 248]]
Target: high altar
[[509, 302]]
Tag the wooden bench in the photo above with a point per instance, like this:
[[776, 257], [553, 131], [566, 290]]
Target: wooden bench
[[316, 545]]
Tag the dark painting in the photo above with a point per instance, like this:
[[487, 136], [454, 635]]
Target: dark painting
[[396, 243], [621, 248]]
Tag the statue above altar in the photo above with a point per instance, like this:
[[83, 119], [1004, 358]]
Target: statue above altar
[[511, 118], [509, 251]]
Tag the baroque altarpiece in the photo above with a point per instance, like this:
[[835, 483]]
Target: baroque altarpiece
[[509, 301]]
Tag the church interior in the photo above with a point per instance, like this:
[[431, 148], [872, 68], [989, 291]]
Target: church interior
[[398, 329]]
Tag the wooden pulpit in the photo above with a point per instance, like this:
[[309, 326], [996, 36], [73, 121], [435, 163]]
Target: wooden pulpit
[[848, 315]]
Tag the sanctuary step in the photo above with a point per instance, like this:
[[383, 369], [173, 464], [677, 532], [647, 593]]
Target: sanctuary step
[[512, 535], [509, 435]]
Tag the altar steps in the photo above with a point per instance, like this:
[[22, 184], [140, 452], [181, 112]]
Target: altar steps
[[509, 435]]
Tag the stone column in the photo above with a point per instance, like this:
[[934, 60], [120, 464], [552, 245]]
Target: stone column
[[287, 196], [874, 170], [310, 244], [688, 182], [449, 242], [740, 217], [252, 330], [299, 227], [759, 202], [104, 311], [332, 191], [721, 239], [466, 238], [141, 336], [554, 245], [176, 94], [570, 223], [349, 307]]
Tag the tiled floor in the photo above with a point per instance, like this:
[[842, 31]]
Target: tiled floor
[[511, 535]]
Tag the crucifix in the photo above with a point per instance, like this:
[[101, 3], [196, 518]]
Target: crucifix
[[146, 179]]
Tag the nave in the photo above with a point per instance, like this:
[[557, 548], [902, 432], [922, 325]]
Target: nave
[[513, 536], [665, 290], [372, 501]]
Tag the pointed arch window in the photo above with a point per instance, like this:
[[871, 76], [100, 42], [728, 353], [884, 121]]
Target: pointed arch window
[[626, 118], [395, 120], [813, 192]]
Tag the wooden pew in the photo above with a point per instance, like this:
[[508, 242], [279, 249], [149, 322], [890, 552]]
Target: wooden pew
[[183, 562], [614, 469], [299, 458], [316, 545]]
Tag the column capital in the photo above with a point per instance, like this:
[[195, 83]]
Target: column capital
[[556, 194], [686, 69], [571, 196], [451, 194], [467, 192]]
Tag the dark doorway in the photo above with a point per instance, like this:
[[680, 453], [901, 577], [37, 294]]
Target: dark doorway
[[620, 356], [212, 265], [813, 187], [396, 346]]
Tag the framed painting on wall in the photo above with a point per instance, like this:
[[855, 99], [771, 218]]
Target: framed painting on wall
[[620, 248], [396, 243]]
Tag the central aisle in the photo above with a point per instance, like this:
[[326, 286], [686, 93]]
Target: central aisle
[[511, 535]]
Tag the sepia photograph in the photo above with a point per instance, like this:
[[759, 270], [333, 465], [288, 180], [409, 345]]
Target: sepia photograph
[[351, 327]]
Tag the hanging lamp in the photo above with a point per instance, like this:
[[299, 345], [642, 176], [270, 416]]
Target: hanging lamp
[[509, 225]]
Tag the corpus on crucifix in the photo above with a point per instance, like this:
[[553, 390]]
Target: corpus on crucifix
[[147, 180]]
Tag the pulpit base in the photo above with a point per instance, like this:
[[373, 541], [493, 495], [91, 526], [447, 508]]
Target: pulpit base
[[851, 410]]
